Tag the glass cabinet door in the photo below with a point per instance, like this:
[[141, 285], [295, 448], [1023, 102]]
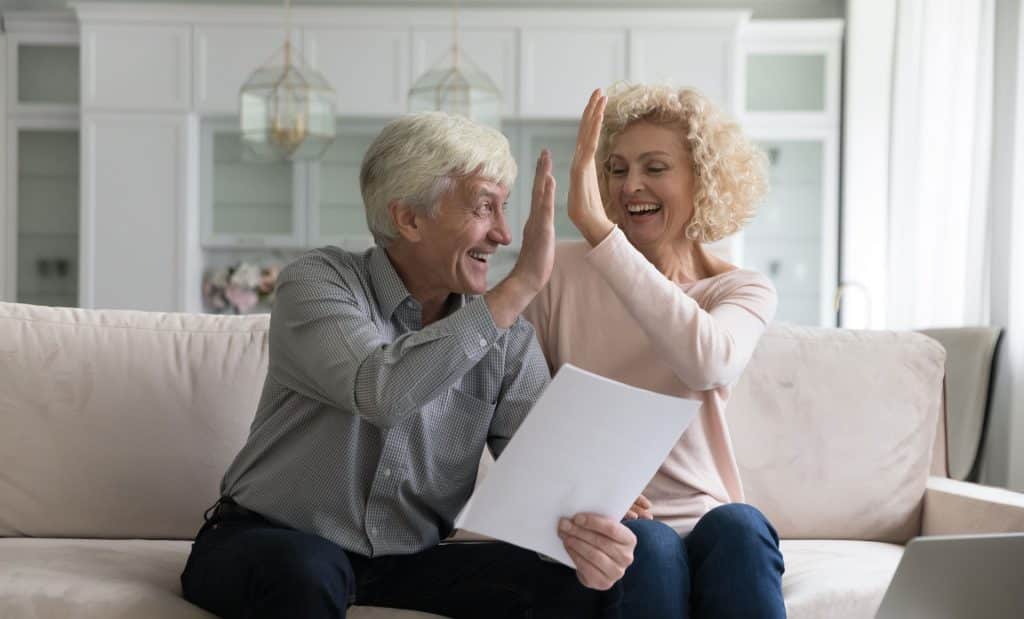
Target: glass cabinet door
[[786, 238], [247, 203], [47, 74], [47, 217], [339, 217], [560, 139], [785, 82]]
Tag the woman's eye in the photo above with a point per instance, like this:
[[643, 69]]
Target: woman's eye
[[656, 169], [617, 171]]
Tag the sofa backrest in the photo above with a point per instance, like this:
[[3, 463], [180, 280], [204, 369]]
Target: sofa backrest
[[834, 430], [119, 424]]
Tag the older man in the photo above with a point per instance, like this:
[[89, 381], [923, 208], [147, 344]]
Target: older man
[[389, 372]]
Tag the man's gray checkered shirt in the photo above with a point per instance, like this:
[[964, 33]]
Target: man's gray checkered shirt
[[370, 426]]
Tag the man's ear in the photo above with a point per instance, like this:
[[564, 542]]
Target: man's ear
[[405, 220]]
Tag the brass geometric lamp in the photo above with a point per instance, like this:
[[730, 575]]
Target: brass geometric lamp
[[287, 107], [457, 86]]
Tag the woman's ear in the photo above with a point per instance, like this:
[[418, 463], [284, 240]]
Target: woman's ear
[[405, 220]]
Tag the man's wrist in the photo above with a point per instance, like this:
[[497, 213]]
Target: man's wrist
[[508, 299]]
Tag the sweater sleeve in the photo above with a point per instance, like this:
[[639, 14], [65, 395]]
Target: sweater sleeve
[[706, 349]]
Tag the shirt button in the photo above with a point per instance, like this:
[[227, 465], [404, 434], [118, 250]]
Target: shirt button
[[483, 343], [386, 472], [373, 531]]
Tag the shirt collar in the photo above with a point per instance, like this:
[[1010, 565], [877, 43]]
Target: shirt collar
[[389, 287]]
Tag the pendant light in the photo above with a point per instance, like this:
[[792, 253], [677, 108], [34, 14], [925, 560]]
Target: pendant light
[[457, 86], [287, 108]]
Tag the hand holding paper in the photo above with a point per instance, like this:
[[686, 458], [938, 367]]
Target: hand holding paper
[[559, 463]]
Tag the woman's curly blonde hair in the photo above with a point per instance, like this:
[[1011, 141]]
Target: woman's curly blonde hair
[[728, 169]]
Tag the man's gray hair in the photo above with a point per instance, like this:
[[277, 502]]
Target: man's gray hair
[[417, 158]]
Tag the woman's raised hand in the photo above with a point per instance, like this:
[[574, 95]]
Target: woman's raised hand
[[586, 209]]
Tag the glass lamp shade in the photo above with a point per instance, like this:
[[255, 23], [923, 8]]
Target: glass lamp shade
[[287, 110], [457, 86]]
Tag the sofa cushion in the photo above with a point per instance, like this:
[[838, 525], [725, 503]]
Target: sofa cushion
[[50, 578], [834, 430], [101, 579], [120, 424], [836, 579]]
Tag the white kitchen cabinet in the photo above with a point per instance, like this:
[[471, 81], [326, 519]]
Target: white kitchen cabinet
[[140, 67], [368, 67], [164, 75], [790, 107], [137, 223], [39, 221], [225, 56], [685, 57], [247, 203], [559, 68]]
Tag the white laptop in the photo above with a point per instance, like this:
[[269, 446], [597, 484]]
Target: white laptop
[[957, 577]]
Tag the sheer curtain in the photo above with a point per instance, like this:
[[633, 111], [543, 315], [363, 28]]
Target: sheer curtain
[[939, 164]]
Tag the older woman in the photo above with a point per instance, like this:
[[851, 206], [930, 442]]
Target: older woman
[[658, 173]]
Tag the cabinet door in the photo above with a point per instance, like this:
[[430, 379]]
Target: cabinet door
[[338, 217], [792, 238], [44, 74], [492, 50], [138, 219], [247, 203], [560, 68], [681, 57], [136, 67], [226, 56], [792, 72], [367, 67], [44, 187], [560, 139]]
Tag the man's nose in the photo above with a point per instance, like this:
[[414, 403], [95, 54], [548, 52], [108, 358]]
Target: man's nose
[[499, 232]]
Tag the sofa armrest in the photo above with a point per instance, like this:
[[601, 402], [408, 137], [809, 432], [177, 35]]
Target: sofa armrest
[[957, 507]]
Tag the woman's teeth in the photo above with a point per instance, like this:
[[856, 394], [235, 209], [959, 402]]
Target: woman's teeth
[[476, 255], [643, 209]]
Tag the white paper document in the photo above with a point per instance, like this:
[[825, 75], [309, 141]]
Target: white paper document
[[590, 444]]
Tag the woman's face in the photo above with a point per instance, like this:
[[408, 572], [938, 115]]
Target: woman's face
[[650, 184]]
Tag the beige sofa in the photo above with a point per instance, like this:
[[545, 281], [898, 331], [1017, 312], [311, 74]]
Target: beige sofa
[[116, 426]]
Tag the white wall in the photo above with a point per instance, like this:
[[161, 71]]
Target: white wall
[[763, 9], [1004, 461], [867, 81]]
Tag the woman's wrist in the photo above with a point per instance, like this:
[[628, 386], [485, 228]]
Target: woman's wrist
[[597, 232]]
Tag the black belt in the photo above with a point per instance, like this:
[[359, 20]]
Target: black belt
[[226, 509]]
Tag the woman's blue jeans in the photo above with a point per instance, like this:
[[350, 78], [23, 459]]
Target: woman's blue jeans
[[728, 566]]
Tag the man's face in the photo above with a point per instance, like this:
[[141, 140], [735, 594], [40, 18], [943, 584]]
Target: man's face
[[458, 244]]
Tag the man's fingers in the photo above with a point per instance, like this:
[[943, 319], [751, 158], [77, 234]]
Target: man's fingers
[[607, 527], [604, 566], [588, 574], [540, 174]]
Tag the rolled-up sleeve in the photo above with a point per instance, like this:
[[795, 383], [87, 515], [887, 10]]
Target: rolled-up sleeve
[[525, 378], [327, 346]]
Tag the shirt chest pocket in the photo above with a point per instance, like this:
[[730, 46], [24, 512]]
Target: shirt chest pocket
[[458, 423]]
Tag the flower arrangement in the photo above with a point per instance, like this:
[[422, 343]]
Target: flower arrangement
[[237, 289]]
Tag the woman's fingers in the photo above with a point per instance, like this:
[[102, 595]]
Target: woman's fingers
[[590, 128]]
